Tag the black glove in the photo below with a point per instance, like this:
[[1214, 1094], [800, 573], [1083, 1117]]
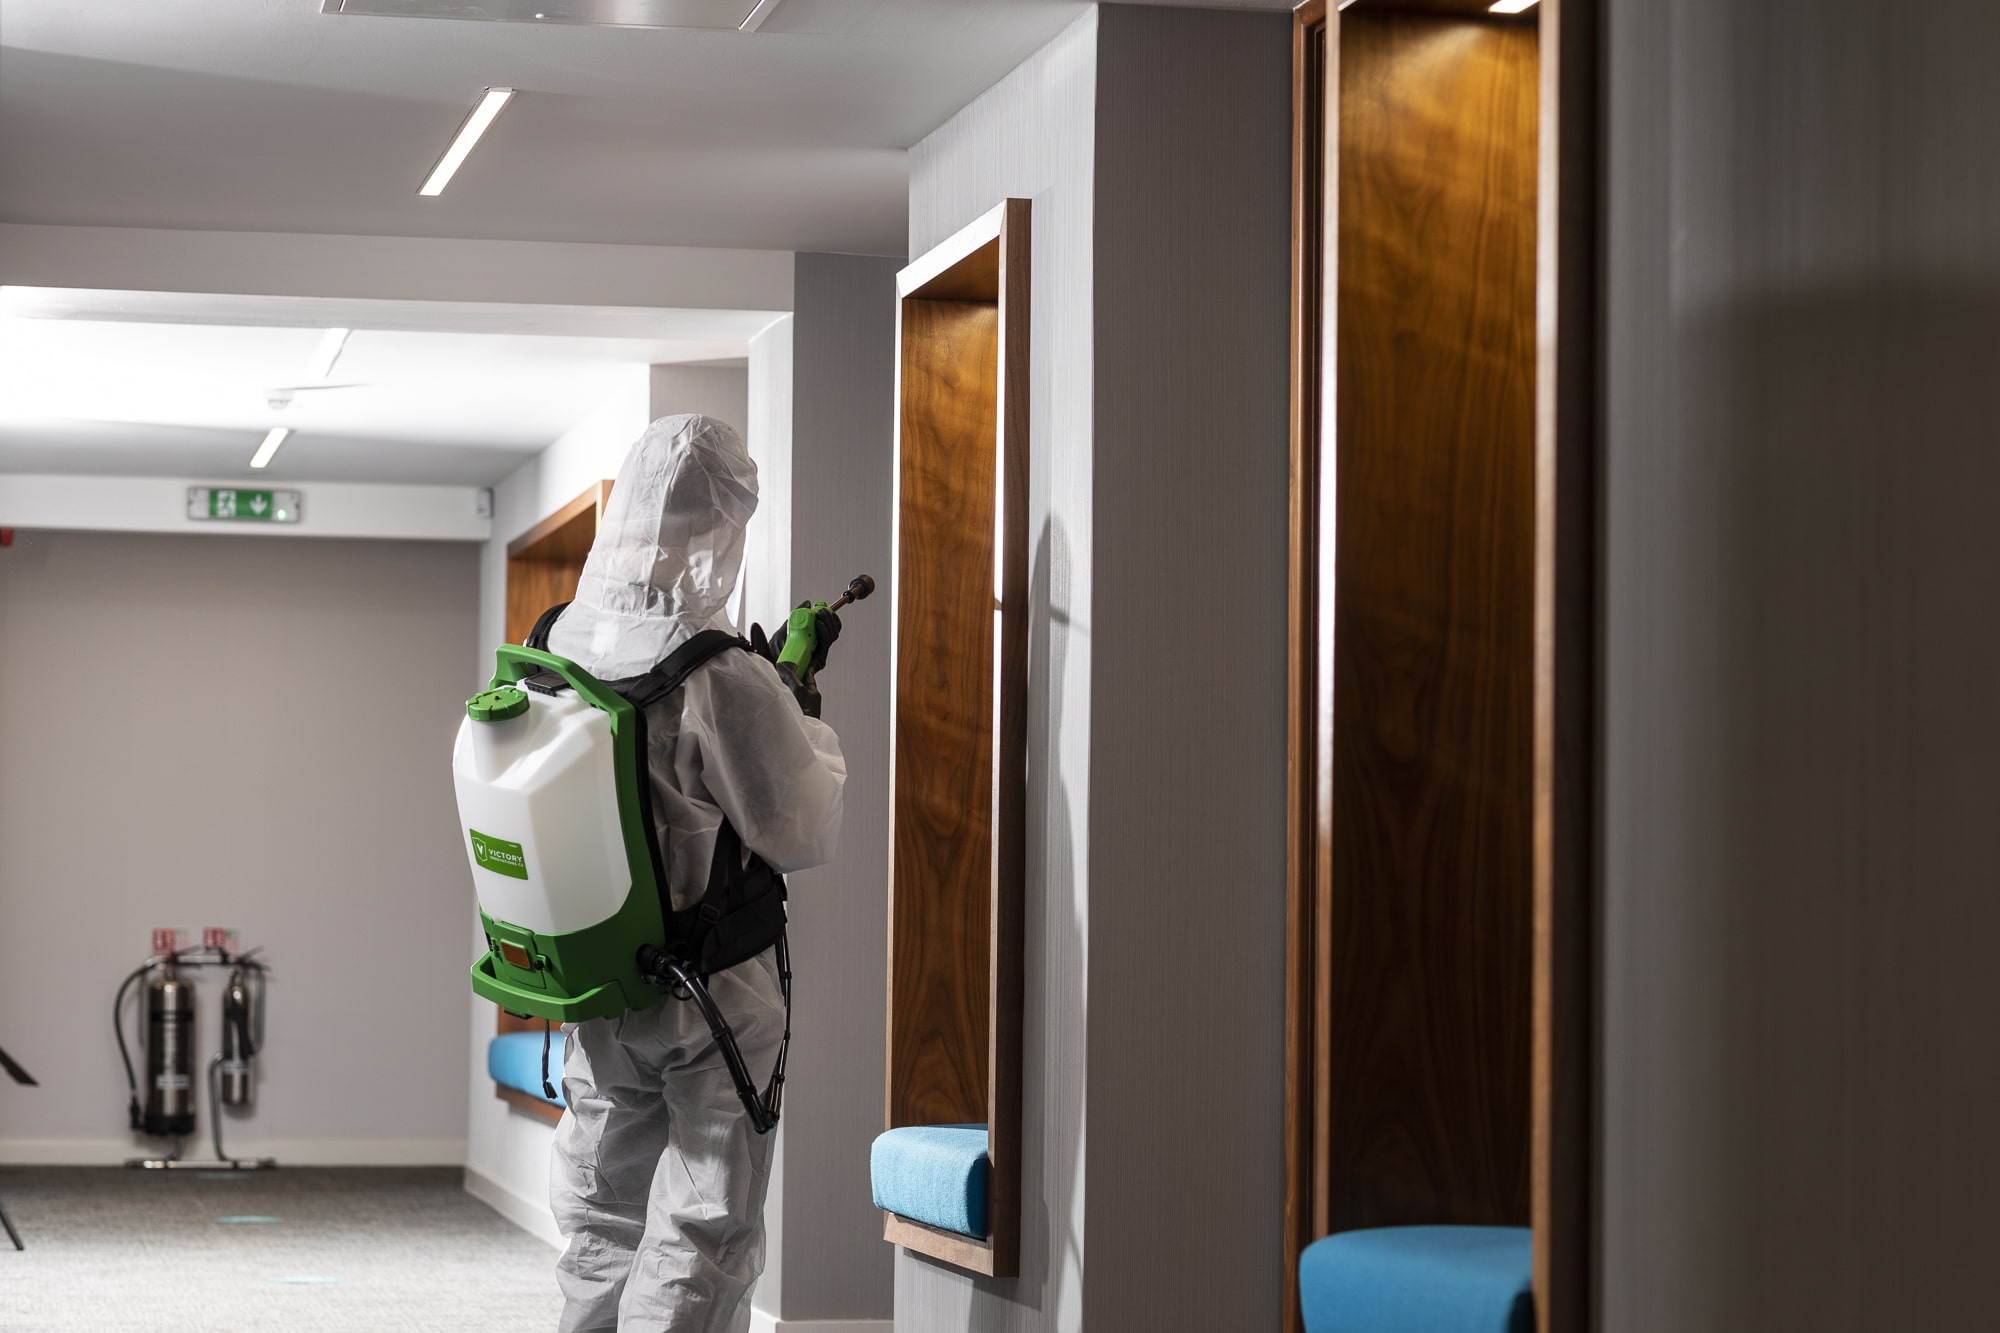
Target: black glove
[[804, 691], [762, 646], [826, 628]]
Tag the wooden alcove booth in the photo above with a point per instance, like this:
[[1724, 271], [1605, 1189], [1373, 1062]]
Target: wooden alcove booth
[[1439, 972], [543, 566], [959, 712]]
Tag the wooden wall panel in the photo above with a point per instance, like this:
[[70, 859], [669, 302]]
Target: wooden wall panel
[[943, 848], [960, 709], [543, 565], [1427, 912]]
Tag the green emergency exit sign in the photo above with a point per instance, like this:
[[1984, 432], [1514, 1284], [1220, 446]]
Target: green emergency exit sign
[[235, 505]]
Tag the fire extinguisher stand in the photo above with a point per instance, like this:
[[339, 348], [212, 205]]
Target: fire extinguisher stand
[[172, 1093]]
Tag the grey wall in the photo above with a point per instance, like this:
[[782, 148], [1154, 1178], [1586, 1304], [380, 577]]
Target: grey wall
[[830, 1259], [722, 392], [1801, 648], [1033, 136], [212, 730], [1153, 144], [1187, 803]]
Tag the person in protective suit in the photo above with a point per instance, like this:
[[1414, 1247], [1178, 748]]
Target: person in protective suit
[[658, 1177]]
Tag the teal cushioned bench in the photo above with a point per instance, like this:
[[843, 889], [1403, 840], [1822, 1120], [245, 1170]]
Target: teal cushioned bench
[[514, 1060], [1419, 1280], [934, 1174]]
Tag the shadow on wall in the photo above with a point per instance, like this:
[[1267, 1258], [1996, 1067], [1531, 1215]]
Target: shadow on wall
[[1053, 954]]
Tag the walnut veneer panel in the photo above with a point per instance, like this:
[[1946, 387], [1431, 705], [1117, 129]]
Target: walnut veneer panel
[[959, 797], [943, 851], [1427, 914]]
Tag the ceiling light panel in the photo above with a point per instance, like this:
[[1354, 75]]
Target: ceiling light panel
[[714, 14], [490, 104], [269, 448], [331, 344]]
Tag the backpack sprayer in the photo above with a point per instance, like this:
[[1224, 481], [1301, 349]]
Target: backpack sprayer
[[167, 1109], [554, 797]]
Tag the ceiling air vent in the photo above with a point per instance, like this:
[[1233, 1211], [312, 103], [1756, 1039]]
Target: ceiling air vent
[[720, 14]]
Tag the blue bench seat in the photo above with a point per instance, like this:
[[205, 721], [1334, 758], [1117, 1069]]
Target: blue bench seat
[[934, 1174], [1419, 1280], [514, 1060]]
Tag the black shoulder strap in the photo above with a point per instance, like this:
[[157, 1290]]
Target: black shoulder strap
[[672, 673], [538, 637]]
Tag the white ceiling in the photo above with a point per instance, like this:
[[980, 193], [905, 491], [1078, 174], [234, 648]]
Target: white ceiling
[[150, 384], [267, 115]]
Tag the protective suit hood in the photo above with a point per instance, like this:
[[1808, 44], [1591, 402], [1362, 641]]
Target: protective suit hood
[[668, 552]]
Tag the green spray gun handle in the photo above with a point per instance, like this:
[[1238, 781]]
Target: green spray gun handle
[[801, 637]]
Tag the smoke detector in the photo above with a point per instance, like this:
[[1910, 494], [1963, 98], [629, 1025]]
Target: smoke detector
[[711, 14]]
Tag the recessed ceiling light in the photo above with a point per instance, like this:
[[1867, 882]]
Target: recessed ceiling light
[[755, 18], [476, 123], [1512, 6], [330, 345], [269, 448]]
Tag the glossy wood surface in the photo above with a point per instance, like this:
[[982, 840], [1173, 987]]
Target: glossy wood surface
[[943, 848], [959, 745], [1306, 705], [1427, 911], [533, 1106], [1566, 450]]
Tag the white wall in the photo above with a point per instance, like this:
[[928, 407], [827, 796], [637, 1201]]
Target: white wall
[[767, 563], [1800, 729], [404, 268], [201, 731], [330, 509]]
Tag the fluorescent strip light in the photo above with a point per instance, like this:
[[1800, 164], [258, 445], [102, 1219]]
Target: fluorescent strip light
[[1512, 6], [330, 346], [476, 122], [755, 18], [269, 448]]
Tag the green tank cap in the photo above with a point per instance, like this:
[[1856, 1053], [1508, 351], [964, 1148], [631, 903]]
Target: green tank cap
[[497, 704]]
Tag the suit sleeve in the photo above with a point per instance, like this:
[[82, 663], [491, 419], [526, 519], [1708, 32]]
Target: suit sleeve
[[776, 773]]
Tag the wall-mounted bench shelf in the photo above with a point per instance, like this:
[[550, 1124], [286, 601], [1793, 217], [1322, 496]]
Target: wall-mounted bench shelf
[[960, 677]]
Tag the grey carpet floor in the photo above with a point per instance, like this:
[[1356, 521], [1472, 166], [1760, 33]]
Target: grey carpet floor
[[111, 1250]]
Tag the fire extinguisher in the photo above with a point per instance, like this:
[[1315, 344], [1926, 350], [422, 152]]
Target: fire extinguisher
[[239, 1043], [170, 1090]]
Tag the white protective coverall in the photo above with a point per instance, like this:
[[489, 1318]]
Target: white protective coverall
[[658, 1178]]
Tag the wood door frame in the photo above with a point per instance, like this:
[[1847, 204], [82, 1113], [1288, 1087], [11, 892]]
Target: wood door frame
[[527, 548], [1309, 700], [1567, 446]]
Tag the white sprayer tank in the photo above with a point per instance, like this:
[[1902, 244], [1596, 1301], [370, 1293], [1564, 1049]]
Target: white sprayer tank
[[538, 813]]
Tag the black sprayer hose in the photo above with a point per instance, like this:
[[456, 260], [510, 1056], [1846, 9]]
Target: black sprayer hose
[[666, 970], [118, 1027]]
